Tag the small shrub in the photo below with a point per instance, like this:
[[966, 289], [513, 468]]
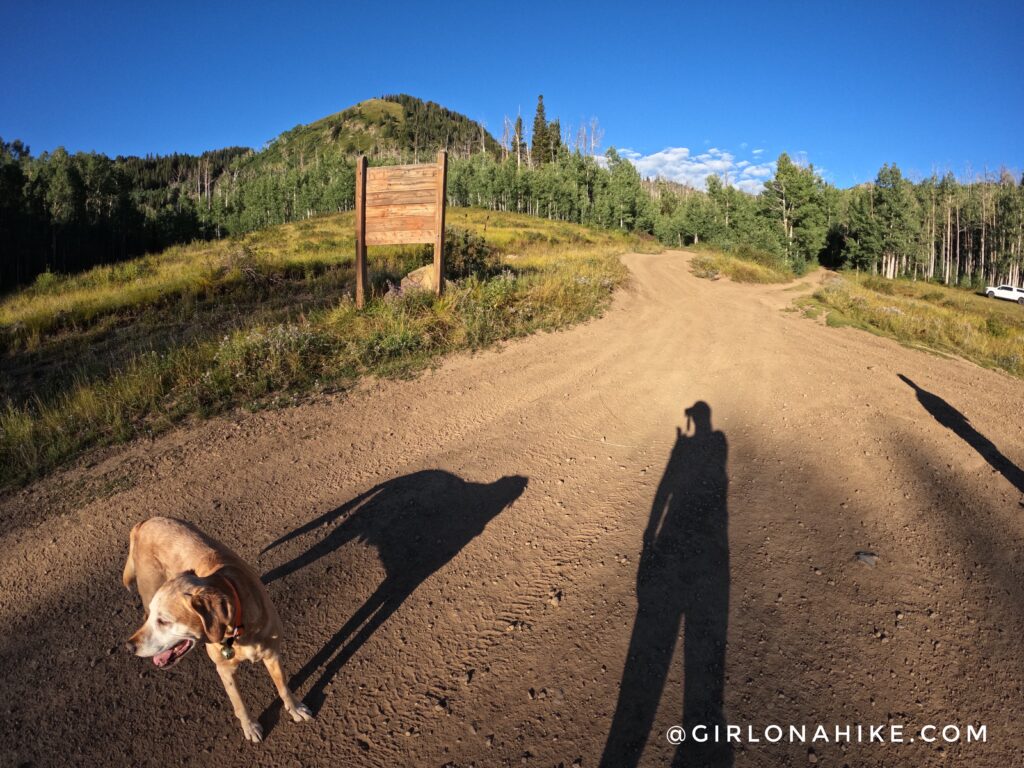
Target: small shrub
[[46, 281], [266, 359], [880, 284], [244, 266], [743, 272], [996, 327], [129, 271], [467, 253], [760, 256], [388, 344], [705, 266]]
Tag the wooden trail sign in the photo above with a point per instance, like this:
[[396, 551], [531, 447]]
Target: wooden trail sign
[[398, 204]]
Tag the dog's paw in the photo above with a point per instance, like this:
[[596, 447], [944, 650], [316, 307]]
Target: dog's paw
[[253, 731], [300, 713]]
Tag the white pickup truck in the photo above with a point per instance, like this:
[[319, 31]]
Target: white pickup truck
[[1007, 292]]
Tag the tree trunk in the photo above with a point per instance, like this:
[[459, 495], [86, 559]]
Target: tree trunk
[[956, 272], [931, 247], [946, 247]]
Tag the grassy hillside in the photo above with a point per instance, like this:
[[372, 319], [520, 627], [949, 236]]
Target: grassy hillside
[[310, 169], [393, 127], [67, 212], [988, 331], [258, 320]]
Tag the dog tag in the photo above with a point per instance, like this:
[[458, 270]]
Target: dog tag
[[227, 652]]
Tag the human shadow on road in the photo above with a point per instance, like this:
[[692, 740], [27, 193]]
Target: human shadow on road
[[417, 523], [683, 577], [960, 425]]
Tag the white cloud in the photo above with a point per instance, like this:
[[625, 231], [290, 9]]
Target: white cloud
[[680, 165], [756, 152], [751, 186], [762, 171]]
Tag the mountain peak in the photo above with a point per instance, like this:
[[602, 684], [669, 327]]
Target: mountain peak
[[392, 127]]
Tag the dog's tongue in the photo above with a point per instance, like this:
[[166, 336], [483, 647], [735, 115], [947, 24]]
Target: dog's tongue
[[164, 658]]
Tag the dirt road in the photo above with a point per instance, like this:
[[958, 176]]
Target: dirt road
[[480, 606]]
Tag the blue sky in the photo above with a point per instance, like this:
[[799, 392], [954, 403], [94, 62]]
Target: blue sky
[[686, 88]]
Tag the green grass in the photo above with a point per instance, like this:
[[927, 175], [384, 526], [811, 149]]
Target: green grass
[[947, 320], [741, 266], [116, 352]]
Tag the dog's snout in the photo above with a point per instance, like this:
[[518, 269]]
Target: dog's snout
[[130, 647]]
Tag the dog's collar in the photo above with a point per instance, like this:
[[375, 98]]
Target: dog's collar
[[236, 628]]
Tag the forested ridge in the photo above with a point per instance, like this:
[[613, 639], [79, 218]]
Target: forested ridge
[[64, 212]]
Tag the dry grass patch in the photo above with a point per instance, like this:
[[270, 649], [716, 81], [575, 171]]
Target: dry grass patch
[[115, 352], [987, 331], [712, 265]]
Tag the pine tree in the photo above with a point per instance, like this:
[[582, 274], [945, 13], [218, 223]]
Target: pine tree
[[540, 147], [554, 137]]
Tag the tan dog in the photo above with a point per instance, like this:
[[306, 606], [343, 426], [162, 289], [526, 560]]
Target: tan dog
[[197, 590]]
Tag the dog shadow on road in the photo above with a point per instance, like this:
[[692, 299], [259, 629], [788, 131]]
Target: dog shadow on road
[[683, 578], [417, 523], [960, 425]]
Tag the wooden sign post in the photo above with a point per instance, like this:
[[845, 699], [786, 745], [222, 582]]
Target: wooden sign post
[[398, 204]]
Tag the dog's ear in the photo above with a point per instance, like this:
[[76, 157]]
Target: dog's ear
[[214, 609]]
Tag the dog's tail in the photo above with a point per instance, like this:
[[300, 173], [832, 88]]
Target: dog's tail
[[128, 577]]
